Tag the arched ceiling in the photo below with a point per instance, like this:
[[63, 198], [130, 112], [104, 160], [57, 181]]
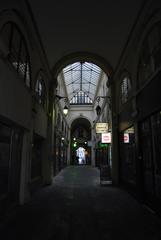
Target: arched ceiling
[[100, 28]]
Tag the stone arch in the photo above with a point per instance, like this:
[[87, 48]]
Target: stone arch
[[82, 119], [15, 17], [78, 117], [82, 56], [80, 135]]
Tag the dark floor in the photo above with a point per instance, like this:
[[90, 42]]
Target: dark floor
[[76, 207]]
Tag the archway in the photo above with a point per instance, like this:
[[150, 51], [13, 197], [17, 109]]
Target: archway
[[82, 57], [80, 142], [82, 82]]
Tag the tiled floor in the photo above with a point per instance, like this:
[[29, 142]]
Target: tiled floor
[[77, 207]]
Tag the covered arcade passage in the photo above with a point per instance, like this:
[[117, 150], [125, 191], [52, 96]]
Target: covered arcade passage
[[101, 63], [81, 142], [82, 89]]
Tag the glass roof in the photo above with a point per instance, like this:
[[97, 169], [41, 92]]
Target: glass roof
[[82, 78]]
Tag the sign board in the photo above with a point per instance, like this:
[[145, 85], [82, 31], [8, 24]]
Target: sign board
[[126, 137], [101, 127], [89, 143], [106, 137]]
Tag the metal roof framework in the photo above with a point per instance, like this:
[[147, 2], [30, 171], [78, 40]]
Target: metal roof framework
[[82, 78]]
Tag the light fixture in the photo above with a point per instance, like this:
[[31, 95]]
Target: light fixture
[[75, 144], [98, 108], [65, 109]]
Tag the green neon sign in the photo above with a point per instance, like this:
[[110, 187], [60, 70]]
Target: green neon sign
[[103, 145]]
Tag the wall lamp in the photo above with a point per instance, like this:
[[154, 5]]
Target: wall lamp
[[65, 109], [98, 108]]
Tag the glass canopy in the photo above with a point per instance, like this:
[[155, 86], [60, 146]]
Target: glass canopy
[[81, 80]]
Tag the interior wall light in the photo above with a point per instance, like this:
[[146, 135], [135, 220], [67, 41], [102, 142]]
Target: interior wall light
[[65, 109], [98, 108]]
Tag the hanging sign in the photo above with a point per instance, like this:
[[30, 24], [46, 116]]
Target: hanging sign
[[106, 137], [101, 127]]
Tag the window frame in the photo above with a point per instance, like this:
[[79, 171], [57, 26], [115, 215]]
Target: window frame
[[15, 53], [125, 88], [41, 92], [145, 71]]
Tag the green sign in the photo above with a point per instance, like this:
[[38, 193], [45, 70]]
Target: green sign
[[102, 145]]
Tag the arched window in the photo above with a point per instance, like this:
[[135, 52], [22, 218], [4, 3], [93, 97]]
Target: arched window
[[150, 56], [15, 45], [40, 90], [125, 89], [155, 44], [81, 98], [145, 63]]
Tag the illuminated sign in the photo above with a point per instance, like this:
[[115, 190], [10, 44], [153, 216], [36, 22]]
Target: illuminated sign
[[106, 137], [126, 137], [101, 127], [103, 145]]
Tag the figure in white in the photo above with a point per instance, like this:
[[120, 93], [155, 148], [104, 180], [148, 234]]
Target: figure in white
[[81, 155]]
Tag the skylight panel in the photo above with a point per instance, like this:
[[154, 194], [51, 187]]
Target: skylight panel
[[82, 77]]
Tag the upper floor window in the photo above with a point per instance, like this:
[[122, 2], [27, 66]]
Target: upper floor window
[[81, 98], [145, 64], [40, 90], [155, 44], [16, 48], [125, 89], [150, 56]]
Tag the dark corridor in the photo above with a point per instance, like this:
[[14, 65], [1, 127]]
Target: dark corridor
[[76, 207]]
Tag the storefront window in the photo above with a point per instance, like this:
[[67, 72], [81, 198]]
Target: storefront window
[[127, 156], [156, 125], [5, 141]]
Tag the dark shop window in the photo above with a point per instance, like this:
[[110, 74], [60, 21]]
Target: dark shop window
[[5, 144], [36, 166]]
